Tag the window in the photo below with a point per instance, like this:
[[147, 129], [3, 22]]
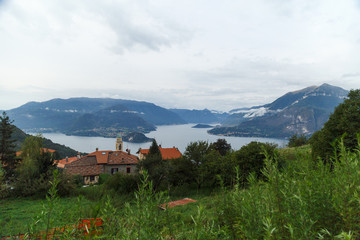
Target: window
[[92, 178], [128, 170], [114, 170]]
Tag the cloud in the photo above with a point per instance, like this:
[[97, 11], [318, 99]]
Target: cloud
[[351, 75]]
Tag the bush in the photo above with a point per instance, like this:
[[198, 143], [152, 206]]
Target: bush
[[103, 177], [251, 158], [297, 140], [121, 183]]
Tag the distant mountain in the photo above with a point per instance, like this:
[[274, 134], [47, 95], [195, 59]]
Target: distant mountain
[[200, 116], [84, 116], [108, 122], [301, 112]]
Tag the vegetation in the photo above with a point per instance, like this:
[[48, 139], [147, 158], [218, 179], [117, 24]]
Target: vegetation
[[344, 122], [7, 147], [297, 140], [256, 192]]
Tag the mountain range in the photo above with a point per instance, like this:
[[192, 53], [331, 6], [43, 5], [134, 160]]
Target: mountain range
[[301, 112], [92, 116]]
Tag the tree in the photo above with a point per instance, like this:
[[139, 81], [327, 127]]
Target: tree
[[344, 122], [7, 146], [195, 153], [154, 165], [250, 158], [35, 169], [221, 146], [297, 140]]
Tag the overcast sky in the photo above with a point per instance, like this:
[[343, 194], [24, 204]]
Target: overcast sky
[[182, 54]]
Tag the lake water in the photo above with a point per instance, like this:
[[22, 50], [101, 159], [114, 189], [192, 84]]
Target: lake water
[[168, 136]]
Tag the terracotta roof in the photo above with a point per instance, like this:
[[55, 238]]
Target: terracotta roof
[[44, 149], [61, 163], [119, 157], [177, 203], [166, 153], [85, 166], [114, 157], [93, 163]]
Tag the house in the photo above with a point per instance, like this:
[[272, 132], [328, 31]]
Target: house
[[61, 163], [98, 162], [166, 153]]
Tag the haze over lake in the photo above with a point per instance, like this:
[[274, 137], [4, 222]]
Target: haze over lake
[[168, 136]]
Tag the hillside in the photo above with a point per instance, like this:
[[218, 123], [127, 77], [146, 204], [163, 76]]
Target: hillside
[[300, 112], [62, 150]]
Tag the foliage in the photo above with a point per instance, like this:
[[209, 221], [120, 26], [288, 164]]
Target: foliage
[[154, 165], [122, 184], [251, 159], [345, 121], [221, 146], [35, 169], [305, 200], [7, 146], [297, 140]]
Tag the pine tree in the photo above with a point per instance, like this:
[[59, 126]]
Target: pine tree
[[7, 146]]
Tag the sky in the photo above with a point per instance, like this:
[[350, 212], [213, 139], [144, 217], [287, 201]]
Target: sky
[[191, 54]]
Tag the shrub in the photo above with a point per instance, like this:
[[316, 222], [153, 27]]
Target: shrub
[[103, 177], [121, 183], [297, 140]]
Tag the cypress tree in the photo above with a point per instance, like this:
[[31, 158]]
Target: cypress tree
[[7, 146]]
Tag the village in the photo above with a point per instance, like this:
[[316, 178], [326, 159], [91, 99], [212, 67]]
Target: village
[[110, 161]]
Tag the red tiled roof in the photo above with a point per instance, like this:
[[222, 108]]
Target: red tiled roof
[[166, 153], [119, 157], [177, 203], [61, 163], [44, 149], [114, 157], [93, 163]]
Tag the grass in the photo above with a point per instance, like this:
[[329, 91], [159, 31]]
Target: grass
[[17, 214]]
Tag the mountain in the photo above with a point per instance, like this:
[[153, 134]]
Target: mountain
[[200, 116], [300, 112], [107, 122], [82, 115]]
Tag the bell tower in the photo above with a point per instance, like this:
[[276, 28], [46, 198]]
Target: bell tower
[[119, 143]]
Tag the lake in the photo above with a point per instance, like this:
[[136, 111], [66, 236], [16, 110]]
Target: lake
[[168, 136]]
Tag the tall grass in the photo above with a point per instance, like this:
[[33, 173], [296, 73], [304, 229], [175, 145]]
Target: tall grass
[[305, 200]]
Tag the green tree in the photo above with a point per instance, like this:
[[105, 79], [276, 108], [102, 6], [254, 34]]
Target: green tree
[[195, 153], [7, 147], [251, 158], [297, 140], [345, 121], [154, 165], [222, 146], [35, 168]]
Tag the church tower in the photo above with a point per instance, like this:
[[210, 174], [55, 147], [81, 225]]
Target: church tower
[[119, 143]]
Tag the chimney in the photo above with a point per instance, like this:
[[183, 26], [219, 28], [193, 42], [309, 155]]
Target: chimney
[[97, 149], [67, 158], [78, 156], [128, 151]]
